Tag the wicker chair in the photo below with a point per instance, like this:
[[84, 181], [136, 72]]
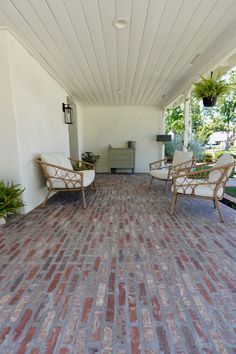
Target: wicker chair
[[207, 182], [163, 170], [60, 175]]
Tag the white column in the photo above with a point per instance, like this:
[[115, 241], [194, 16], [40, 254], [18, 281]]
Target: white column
[[163, 132], [187, 120]]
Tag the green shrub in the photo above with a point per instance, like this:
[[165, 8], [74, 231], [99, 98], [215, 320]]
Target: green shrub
[[10, 199], [175, 144], [219, 154], [207, 157], [196, 148]]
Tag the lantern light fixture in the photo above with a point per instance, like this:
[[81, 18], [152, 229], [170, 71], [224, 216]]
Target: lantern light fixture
[[66, 108]]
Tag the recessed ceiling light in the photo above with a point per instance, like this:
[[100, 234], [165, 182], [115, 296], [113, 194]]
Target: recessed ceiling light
[[119, 92], [120, 23]]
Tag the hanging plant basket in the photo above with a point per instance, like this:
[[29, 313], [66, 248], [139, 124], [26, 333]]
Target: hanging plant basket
[[208, 89], [209, 101]]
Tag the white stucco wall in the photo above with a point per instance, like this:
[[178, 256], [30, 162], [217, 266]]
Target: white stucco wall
[[117, 126], [32, 121], [9, 159]]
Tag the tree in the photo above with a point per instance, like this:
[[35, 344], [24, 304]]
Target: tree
[[174, 120], [215, 124], [197, 119], [227, 109]]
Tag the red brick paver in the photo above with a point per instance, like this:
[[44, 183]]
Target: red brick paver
[[122, 276]]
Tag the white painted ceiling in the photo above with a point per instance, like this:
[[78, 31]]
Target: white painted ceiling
[[167, 44]]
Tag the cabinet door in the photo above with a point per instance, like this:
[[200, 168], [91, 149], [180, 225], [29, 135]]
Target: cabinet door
[[121, 158]]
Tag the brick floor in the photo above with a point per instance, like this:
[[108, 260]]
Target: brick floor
[[121, 277]]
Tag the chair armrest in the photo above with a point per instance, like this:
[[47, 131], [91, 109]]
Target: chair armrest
[[155, 165], [81, 163], [202, 176]]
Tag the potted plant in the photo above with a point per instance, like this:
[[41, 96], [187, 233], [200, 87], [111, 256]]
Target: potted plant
[[10, 200], [90, 157], [208, 89]]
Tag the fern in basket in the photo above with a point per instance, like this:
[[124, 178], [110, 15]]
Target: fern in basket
[[10, 199]]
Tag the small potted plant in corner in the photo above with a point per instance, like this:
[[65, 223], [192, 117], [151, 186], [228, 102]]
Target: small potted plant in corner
[[90, 157], [208, 89], [10, 200]]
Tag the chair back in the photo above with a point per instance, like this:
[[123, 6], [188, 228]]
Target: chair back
[[225, 159], [181, 156], [56, 158]]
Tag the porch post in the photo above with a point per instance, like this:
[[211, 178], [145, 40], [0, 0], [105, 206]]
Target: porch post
[[163, 132], [187, 120]]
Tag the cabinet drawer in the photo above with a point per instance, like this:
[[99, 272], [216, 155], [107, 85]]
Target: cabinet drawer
[[122, 151], [122, 164], [121, 158]]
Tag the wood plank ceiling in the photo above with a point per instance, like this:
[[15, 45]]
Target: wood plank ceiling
[[167, 43]]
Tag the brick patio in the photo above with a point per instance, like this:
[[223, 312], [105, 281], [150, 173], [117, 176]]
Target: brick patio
[[121, 277]]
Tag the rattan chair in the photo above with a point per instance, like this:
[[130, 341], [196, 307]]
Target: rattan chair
[[60, 176], [162, 170], [206, 182]]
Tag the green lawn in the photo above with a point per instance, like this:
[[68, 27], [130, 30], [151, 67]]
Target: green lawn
[[231, 191]]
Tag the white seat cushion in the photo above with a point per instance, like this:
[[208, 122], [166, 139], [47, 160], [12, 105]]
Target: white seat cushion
[[160, 173], [88, 177], [200, 190]]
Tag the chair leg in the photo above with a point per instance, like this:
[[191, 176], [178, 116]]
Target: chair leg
[[150, 184], [214, 202], [218, 209], [83, 196], [165, 187], [174, 200], [46, 198], [94, 187]]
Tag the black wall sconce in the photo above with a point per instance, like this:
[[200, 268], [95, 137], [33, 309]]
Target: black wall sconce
[[163, 138], [66, 108]]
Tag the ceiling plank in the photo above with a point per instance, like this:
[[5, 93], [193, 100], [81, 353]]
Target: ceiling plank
[[138, 20], [167, 20], [154, 15], [213, 25], [107, 15], [78, 45], [17, 22]]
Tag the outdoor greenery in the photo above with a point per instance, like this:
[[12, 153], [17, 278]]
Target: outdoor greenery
[[10, 199], [207, 157], [177, 144], [231, 191], [222, 152], [205, 121], [211, 87]]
